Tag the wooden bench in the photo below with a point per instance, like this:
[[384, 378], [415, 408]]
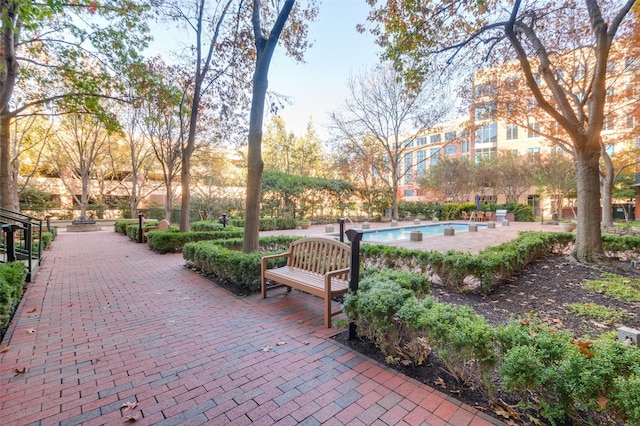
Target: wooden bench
[[319, 266], [163, 225]]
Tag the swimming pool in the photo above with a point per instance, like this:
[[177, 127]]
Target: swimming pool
[[404, 233]]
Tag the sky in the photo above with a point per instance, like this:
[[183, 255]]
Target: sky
[[319, 86]]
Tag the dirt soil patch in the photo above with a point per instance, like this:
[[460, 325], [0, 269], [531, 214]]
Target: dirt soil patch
[[543, 289]]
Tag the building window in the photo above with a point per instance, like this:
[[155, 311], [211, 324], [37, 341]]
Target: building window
[[485, 111], [512, 132], [450, 149], [535, 150], [422, 141], [534, 130], [408, 167], [434, 154], [408, 192], [408, 144], [435, 138], [485, 152], [631, 121], [482, 90], [487, 134], [421, 162], [608, 122], [450, 136]]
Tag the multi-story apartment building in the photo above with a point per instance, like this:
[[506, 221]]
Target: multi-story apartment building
[[504, 116]]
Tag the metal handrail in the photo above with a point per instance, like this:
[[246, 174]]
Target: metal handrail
[[26, 240]]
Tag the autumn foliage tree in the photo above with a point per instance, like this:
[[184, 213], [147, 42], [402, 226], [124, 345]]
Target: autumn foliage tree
[[62, 54], [534, 34]]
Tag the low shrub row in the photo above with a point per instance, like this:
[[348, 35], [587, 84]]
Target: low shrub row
[[224, 259], [46, 239], [464, 271], [269, 223], [12, 276], [171, 241], [559, 377], [120, 226]]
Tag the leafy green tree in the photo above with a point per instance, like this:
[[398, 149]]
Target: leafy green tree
[[453, 177], [556, 175], [416, 34], [67, 54], [514, 174]]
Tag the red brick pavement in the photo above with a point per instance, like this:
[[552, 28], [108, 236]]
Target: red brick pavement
[[108, 322]]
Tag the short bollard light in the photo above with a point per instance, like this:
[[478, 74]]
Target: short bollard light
[[354, 236], [140, 220]]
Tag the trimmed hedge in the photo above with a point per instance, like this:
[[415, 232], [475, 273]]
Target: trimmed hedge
[[561, 378], [172, 241], [269, 223], [12, 276], [224, 259], [120, 226], [460, 270], [46, 238]]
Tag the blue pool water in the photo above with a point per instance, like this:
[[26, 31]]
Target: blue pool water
[[395, 234]]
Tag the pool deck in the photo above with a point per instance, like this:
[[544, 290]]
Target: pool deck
[[472, 242]]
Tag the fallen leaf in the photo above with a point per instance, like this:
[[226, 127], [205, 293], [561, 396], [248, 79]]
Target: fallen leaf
[[31, 330], [440, 383], [18, 371], [281, 343], [405, 362], [267, 348], [602, 401], [129, 405], [5, 349], [131, 419], [304, 342], [584, 346], [31, 311], [300, 321]]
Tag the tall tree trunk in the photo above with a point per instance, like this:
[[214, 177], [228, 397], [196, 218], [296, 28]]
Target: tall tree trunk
[[168, 207], [8, 185], [264, 52], [606, 188], [185, 205], [588, 233]]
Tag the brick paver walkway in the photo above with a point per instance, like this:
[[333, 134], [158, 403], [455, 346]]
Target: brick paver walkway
[[110, 329]]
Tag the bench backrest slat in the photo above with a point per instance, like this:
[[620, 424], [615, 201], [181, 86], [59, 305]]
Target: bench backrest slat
[[319, 255]]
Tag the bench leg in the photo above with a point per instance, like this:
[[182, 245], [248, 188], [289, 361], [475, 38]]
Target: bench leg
[[263, 286], [327, 312]]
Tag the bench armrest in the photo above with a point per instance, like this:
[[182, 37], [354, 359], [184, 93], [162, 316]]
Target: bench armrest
[[331, 274]]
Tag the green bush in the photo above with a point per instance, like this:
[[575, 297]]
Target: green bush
[[120, 226], [46, 238], [206, 225], [620, 246], [460, 270], [464, 341], [224, 259], [559, 376], [268, 223], [171, 241], [12, 276]]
